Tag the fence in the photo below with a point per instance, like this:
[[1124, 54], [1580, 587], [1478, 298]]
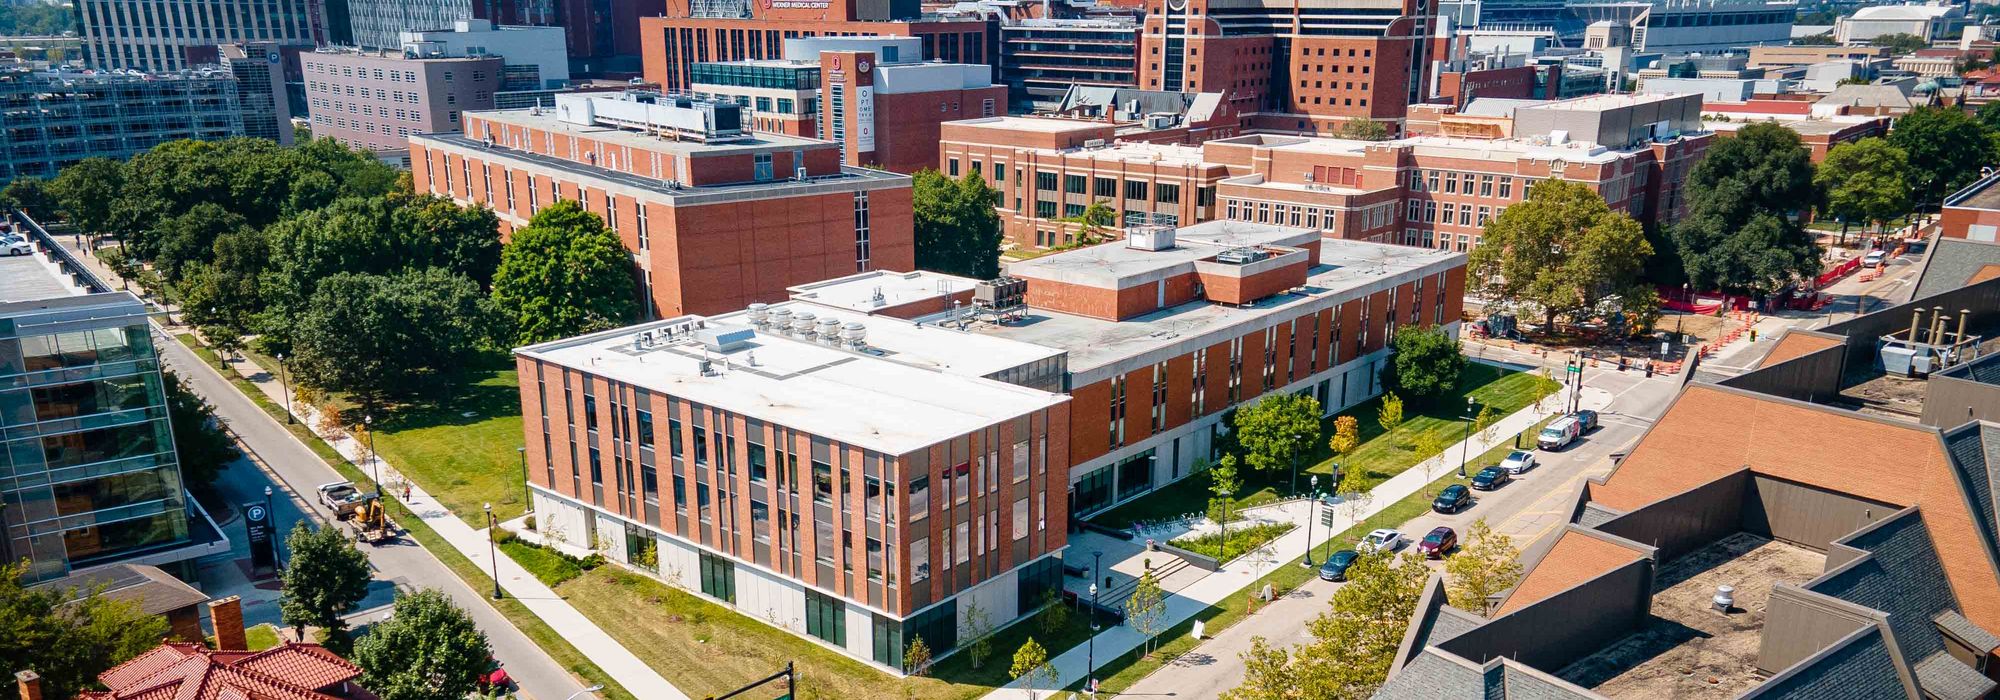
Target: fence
[[62, 257]]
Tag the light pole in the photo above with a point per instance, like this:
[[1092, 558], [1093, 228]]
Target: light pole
[[368, 426], [277, 553], [493, 549], [1312, 513], [527, 497], [1294, 483], [1090, 653], [286, 385], [1466, 446], [591, 689]]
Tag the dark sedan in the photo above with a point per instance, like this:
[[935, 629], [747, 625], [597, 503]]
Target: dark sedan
[[1490, 478], [1439, 542], [1335, 568], [1454, 498]]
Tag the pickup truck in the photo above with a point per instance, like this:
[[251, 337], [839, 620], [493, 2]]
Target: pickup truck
[[340, 497]]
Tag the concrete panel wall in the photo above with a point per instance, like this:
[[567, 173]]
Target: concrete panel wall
[[680, 563], [1954, 401], [563, 519], [998, 597], [860, 632], [1545, 635], [1799, 623], [1806, 516], [1813, 377], [777, 601], [1688, 521]]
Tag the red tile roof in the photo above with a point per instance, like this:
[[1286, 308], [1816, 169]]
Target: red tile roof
[[178, 671]]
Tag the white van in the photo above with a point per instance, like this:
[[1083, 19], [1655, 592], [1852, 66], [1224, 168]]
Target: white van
[[1560, 433]]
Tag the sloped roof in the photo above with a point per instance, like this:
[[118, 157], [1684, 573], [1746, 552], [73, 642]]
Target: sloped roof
[[1576, 557], [1950, 263], [154, 591], [180, 671], [1856, 668], [1946, 678], [1902, 12], [1437, 674], [1867, 96]]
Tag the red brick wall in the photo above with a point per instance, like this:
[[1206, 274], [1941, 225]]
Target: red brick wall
[[907, 126], [1954, 222], [1226, 289]]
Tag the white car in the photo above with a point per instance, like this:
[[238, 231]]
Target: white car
[[1519, 461], [1873, 258], [1383, 540], [16, 247]]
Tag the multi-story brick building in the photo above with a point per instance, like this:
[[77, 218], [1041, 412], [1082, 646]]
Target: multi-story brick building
[[1431, 191], [1042, 59], [1298, 66], [862, 463], [869, 94], [716, 217], [708, 31]]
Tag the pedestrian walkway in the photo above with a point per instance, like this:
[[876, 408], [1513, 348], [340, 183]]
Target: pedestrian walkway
[[604, 651], [1244, 572]]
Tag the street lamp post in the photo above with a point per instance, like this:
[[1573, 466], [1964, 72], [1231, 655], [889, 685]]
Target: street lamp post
[[1312, 513], [368, 426], [493, 549], [1466, 446], [1294, 484], [527, 497], [1090, 653], [285, 384]]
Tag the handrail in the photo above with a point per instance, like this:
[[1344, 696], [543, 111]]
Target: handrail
[[80, 273]]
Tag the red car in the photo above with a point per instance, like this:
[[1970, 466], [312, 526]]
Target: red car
[[494, 677], [1437, 543]]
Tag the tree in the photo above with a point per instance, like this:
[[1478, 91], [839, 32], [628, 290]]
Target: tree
[[1363, 129], [563, 275], [917, 658], [326, 576], [1146, 610], [1738, 234], [979, 629], [1429, 445], [1031, 667], [87, 190], [198, 438], [1346, 436], [1275, 430], [428, 649], [1487, 564], [1989, 116], [1096, 217], [68, 642], [1352, 643], [188, 240], [1054, 616], [1223, 484], [465, 240], [1864, 181], [1391, 414], [957, 230], [1486, 420], [1946, 148], [1901, 42], [1563, 251], [1425, 362], [31, 194], [378, 336]]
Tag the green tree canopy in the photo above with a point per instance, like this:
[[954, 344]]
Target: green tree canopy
[[1363, 129], [1901, 43], [428, 649], [1864, 181], [1277, 429], [188, 240], [69, 643], [1352, 643], [1564, 251], [87, 190], [198, 438], [1946, 148], [33, 194], [957, 230], [1738, 234], [325, 577], [1425, 362], [564, 274], [382, 336]]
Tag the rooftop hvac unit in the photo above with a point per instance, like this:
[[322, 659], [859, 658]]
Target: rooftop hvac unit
[[1150, 237], [1240, 256], [724, 338], [1001, 293]]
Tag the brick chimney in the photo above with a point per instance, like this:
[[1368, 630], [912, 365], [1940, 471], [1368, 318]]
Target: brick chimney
[[31, 684], [226, 615]]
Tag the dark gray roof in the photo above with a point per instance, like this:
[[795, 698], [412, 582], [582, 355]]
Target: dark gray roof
[[1974, 452], [1452, 622], [155, 592], [1901, 576], [1973, 634], [1946, 678], [1949, 262], [1523, 684], [1595, 515], [1860, 668], [1437, 675]]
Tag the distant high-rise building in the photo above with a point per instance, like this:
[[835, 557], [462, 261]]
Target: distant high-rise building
[[602, 35], [162, 37], [1041, 58], [55, 118], [705, 31], [259, 68]]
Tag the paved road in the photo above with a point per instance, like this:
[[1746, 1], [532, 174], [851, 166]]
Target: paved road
[[404, 565], [1526, 509]]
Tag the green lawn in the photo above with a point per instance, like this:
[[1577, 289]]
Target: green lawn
[[1241, 540], [1506, 390], [552, 567], [525, 620], [260, 637], [669, 628], [1120, 673]]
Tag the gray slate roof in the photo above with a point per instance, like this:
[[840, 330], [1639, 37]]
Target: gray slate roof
[[1437, 675], [1946, 678], [1902, 576], [1951, 621], [1949, 262], [1861, 669]]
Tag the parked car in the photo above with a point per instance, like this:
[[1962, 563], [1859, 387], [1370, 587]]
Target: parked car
[[16, 247], [1559, 434], [1490, 478], [1383, 540], [1439, 542], [1519, 461], [1873, 258], [1586, 420], [341, 497], [494, 678], [1452, 499], [1335, 568]]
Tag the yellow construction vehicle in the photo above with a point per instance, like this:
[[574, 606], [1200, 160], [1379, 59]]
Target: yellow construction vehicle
[[370, 521]]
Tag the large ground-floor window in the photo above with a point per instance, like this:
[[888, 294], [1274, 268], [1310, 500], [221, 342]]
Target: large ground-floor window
[[826, 618], [718, 576], [1093, 491]]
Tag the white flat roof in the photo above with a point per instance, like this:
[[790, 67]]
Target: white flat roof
[[916, 386], [1042, 124], [1109, 265], [872, 291]]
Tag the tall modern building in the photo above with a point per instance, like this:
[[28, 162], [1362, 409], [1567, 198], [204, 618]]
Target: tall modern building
[[90, 475], [259, 68], [377, 99], [1040, 59], [162, 37], [602, 35], [705, 31], [53, 119]]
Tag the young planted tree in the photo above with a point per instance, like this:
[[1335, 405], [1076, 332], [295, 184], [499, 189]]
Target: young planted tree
[[1223, 485], [1146, 610], [917, 658], [1488, 418], [1346, 437], [1487, 565], [428, 650], [1425, 363], [1429, 446], [1351, 644], [1391, 414], [1031, 667], [326, 576], [1054, 616], [1274, 431], [979, 629]]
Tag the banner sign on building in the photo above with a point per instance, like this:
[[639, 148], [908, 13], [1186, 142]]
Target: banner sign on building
[[864, 119]]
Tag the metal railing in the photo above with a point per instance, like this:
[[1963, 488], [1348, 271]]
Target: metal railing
[[63, 258]]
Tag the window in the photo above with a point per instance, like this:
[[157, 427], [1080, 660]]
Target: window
[[761, 164], [1116, 425], [826, 618], [920, 559], [962, 543], [1506, 187], [1020, 460], [951, 167], [1167, 193], [1073, 184], [1135, 190], [759, 469], [1045, 181], [1105, 187], [822, 475], [872, 489], [646, 429], [718, 577], [1020, 518], [596, 467], [862, 229]]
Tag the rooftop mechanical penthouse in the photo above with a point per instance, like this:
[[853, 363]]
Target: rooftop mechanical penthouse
[[860, 463], [716, 216]]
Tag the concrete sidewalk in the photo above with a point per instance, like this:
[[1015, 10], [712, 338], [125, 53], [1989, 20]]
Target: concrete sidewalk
[[1246, 571]]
